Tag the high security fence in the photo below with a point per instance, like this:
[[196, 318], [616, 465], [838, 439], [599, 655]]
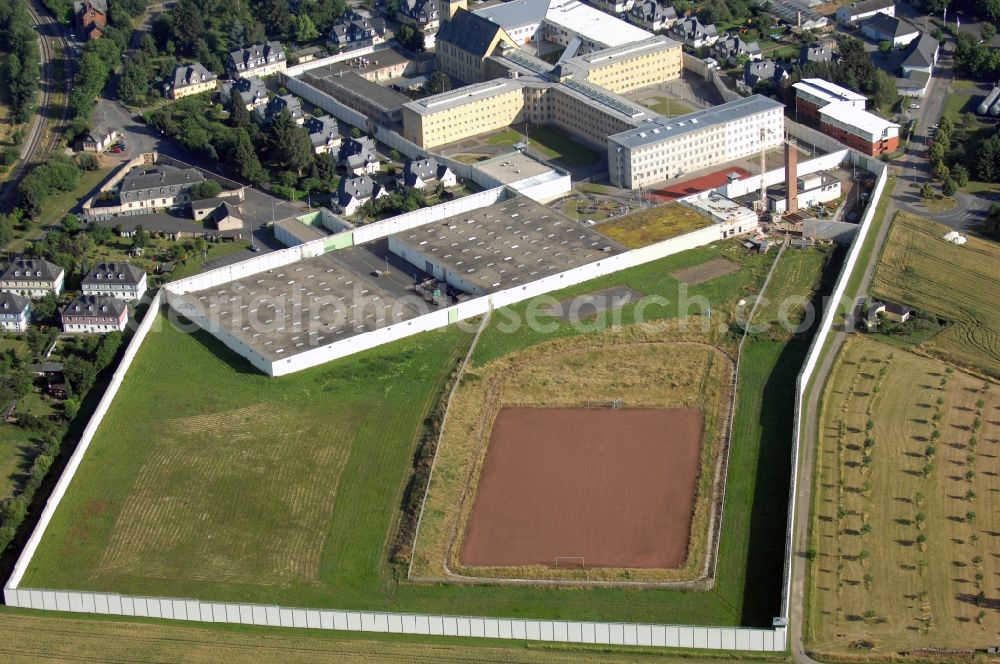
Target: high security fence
[[559, 631]]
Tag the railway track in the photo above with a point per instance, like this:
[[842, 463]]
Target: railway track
[[48, 127]]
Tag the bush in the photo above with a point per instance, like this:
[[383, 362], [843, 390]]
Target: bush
[[949, 187], [206, 189]]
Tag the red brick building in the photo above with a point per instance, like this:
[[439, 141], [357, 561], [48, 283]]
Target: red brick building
[[861, 130], [91, 18], [812, 94]]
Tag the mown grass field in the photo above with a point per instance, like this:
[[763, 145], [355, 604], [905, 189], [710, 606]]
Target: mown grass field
[[551, 143], [27, 638], [371, 408], [904, 523], [793, 287], [646, 227], [920, 269]]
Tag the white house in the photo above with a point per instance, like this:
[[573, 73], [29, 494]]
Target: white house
[[354, 192], [90, 313], [32, 278], [118, 280], [423, 173], [858, 11], [15, 312], [882, 28]]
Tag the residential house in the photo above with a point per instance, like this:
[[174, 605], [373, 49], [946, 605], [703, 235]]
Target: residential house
[[92, 313], [99, 141], [358, 156], [761, 73], [32, 278], [119, 280], [227, 219], [918, 67], [816, 53], [353, 192], [258, 60], [731, 48], [858, 11], [265, 114], [652, 16], [15, 312], [424, 13], [882, 28], [897, 313], [324, 134], [91, 18], [191, 79], [251, 90], [423, 173], [355, 30], [691, 32], [157, 187]]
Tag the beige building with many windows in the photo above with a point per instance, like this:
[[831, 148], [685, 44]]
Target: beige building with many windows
[[625, 68], [670, 147], [464, 43], [469, 111]]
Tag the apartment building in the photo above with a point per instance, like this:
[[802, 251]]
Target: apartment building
[[640, 64], [670, 147], [257, 60], [32, 278], [90, 313], [590, 113], [812, 94], [147, 188], [192, 79], [15, 312], [469, 111], [118, 280], [861, 130]]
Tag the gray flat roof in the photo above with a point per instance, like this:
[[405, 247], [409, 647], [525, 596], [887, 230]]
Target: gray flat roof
[[507, 244], [460, 96], [292, 309], [626, 51], [662, 129], [386, 98], [512, 167], [515, 13], [300, 229]]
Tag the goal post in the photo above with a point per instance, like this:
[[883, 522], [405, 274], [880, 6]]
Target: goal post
[[571, 561]]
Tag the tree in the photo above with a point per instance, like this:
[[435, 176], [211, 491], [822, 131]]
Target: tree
[[290, 146], [883, 88], [274, 14], [355, 132], [245, 159], [305, 29], [885, 46], [987, 31], [926, 191], [205, 189], [940, 171], [949, 187], [960, 174], [437, 82], [239, 116], [410, 38], [988, 163]]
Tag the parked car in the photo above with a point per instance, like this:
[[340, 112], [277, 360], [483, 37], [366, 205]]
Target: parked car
[[914, 106]]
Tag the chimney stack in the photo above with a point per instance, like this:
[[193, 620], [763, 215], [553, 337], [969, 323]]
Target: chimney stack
[[791, 177]]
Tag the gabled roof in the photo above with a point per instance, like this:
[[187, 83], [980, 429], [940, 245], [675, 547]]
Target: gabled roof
[[424, 170], [31, 269], [224, 211], [99, 5], [763, 70], [816, 53], [469, 32], [897, 309], [322, 129], [361, 145], [95, 305], [145, 177], [922, 52], [889, 25], [360, 187], [121, 273], [192, 74], [11, 303], [870, 6], [247, 56]]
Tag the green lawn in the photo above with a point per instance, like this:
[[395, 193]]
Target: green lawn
[[215, 250], [16, 451], [209, 480], [551, 143], [794, 283], [670, 107], [58, 206]]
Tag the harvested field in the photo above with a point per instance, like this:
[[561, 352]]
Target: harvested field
[[637, 364], [696, 274], [920, 269], [641, 229], [591, 487]]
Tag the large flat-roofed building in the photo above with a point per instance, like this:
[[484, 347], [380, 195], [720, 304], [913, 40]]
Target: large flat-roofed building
[[561, 22], [669, 147], [294, 308], [636, 65], [861, 130], [501, 246], [591, 113], [382, 104], [812, 94], [461, 113]]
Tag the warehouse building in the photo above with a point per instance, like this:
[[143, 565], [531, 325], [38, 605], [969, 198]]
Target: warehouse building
[[501, 246], [670, 147]]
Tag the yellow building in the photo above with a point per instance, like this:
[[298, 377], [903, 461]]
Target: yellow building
[[192, 79], [464, 112], [633, 66], [464, 43]]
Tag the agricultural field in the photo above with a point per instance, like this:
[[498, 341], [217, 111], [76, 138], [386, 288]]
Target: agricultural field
[[664, 365], [904, 534], [646, 227], [24, 636], [356, 423], [921, 270]]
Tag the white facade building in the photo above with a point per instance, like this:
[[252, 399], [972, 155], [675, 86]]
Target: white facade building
[[671, 147], [32, 278], [118, 280]]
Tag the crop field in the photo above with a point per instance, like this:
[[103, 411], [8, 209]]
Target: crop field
[[905, 522], [651, 366], [920, 269], [24, 637], [641, 229], [374, 406]]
